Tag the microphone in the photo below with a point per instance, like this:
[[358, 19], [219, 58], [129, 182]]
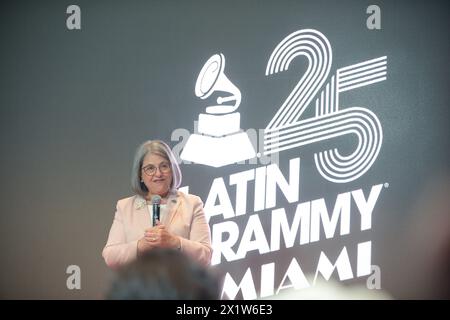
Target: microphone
[[156, 201]]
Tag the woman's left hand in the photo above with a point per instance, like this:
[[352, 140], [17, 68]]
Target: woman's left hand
[[160, 237]]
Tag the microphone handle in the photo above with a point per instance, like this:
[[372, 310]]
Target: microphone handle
[[156, 210]]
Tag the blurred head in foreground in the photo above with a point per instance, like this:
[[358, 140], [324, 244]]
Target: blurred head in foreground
[[164, 274]]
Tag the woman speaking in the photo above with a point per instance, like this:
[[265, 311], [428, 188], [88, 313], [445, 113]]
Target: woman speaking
[[182, 224]]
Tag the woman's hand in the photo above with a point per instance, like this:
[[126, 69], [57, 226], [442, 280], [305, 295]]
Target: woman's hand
[[144, 245], [158, 236]]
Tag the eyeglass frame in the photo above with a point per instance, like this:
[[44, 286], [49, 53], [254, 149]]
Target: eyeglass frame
[[155, 168]]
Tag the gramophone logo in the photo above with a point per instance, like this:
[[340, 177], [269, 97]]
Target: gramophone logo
[[220, 141], [219, 129]]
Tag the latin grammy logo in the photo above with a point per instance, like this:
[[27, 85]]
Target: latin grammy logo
[[219, 141]]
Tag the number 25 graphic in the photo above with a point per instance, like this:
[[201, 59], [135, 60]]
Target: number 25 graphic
[[285, 131]]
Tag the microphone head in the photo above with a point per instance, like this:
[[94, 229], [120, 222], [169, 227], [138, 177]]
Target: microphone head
[[156, 199]]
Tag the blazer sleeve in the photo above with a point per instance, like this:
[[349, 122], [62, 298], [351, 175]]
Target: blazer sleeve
[[198, 246], [117, 251]]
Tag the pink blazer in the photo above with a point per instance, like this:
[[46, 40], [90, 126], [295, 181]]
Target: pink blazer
[[185, 217]]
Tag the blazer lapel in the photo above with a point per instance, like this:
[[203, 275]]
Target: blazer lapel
[[141, 213], [172, 210]]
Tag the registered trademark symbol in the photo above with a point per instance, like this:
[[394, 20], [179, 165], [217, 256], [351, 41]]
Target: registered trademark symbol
[[386, 184]]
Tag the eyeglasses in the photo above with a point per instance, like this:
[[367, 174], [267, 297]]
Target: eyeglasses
[[151, 169]]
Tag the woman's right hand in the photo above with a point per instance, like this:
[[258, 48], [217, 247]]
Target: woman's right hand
[[144, 245], [149, 240]]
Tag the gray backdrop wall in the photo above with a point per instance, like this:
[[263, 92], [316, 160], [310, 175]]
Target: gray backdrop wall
[[75, 104]]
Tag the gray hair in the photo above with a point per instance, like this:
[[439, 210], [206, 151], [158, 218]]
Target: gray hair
[[161, 149]]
